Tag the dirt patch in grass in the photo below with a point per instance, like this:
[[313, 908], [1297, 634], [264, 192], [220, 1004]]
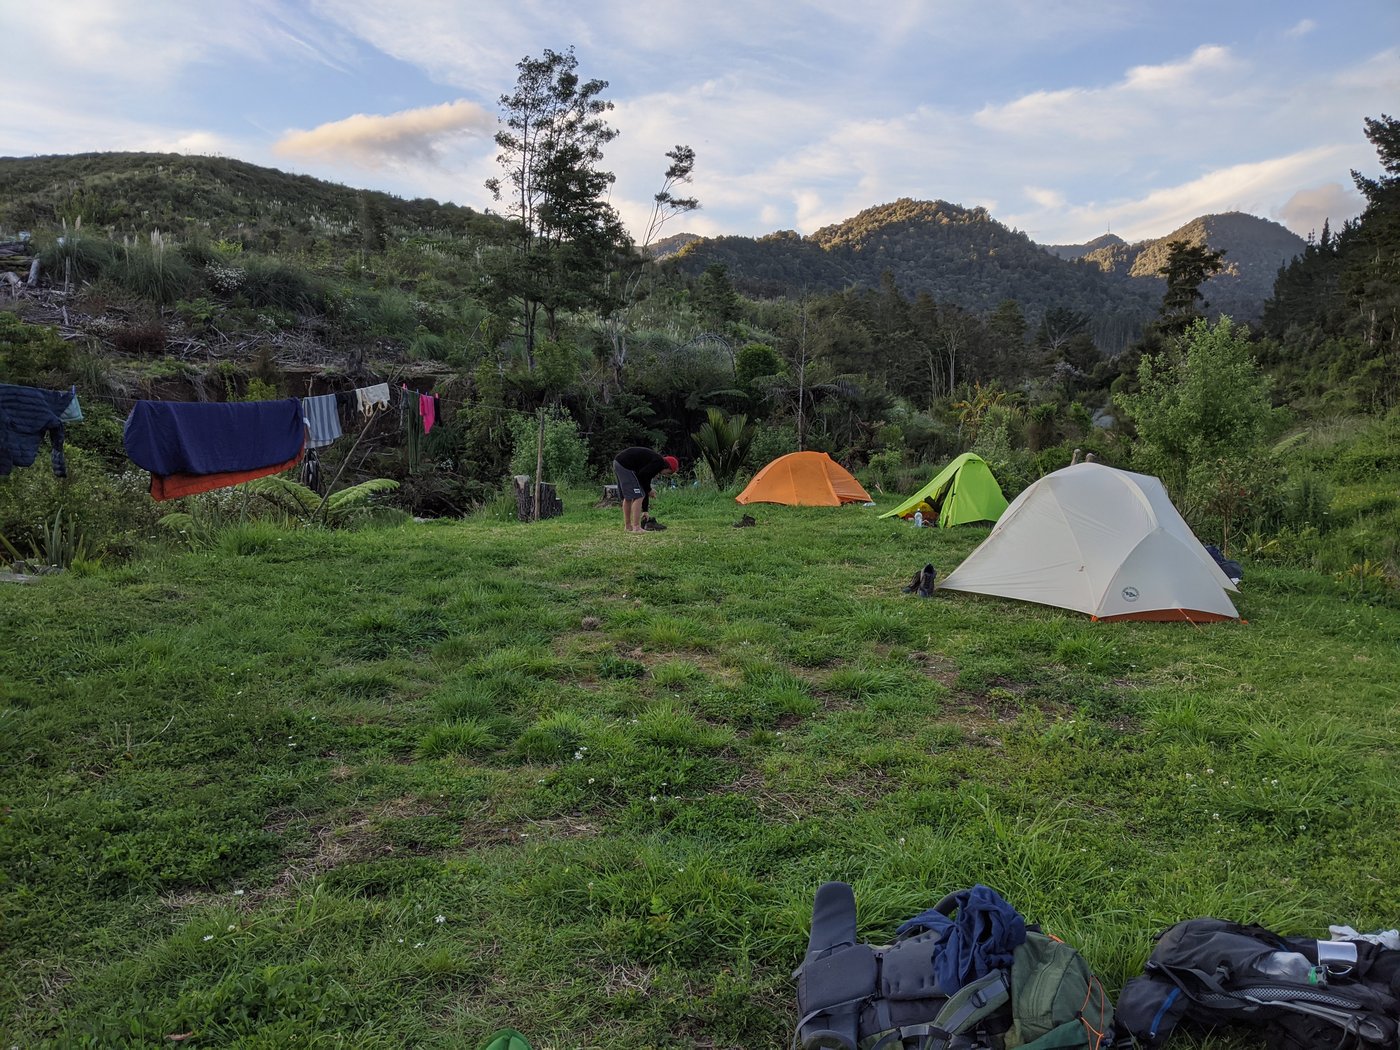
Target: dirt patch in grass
[[940, 668]]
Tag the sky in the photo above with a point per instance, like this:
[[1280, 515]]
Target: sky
[[1065, 119]]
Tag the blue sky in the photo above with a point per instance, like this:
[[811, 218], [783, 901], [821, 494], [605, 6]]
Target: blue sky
[[1064, 118]]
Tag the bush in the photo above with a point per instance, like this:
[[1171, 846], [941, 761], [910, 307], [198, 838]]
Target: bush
[[271, 282], [32, 354], [565, 451], [113, 513], [152, 271]]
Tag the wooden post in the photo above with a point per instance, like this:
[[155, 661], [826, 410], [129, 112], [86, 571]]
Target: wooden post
[[539, 465]]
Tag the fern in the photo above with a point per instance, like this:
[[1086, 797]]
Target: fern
[[303, 504]]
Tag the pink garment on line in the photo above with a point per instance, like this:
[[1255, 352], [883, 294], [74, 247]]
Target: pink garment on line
[[427, 408]]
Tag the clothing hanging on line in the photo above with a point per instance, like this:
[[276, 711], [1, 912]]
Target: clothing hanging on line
[[322, 420], [198, 446], [28, 415]]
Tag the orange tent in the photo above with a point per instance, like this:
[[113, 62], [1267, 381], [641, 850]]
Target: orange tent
[[804, 479]]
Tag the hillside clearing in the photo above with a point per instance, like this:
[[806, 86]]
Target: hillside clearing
[[406, 786]]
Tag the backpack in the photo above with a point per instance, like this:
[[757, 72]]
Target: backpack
[[949, 981], [1210, 972]]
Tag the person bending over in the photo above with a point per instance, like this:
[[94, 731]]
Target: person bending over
[[636, 468]]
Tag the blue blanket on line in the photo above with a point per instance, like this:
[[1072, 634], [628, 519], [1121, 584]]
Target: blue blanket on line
[[193, 437], [980, 938], [26, 414]]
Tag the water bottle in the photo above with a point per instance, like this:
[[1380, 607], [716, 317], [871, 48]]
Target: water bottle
[[918, 519], [1291, 966]]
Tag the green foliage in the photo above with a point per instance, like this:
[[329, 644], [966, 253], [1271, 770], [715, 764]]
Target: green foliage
[[304, 505], [1187, 267], [60, 542], [1204, 401], [565, 451], [753, 361], [30, 354], [151, 270], [724, 443], [113, 513]]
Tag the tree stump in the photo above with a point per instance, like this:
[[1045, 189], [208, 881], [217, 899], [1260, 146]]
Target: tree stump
[[550, 504]]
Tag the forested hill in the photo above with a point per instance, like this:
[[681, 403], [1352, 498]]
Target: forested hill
[[958, 255], [1254, 250], [134, 193]]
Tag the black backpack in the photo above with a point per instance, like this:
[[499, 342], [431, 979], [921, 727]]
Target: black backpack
[[853, 996], [1210, 972]]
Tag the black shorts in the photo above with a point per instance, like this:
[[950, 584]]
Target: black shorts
[[628, 486]]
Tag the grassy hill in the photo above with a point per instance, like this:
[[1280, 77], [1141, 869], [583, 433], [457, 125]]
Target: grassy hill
[[133, 193], [404, 786]]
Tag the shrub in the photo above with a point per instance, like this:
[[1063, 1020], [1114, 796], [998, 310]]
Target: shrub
[[152, 271], [271, 282], [32, 354], [565, 451]]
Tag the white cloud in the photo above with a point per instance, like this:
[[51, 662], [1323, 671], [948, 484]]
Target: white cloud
[[151, 43], [1308, 209], [1046, 198], [372, 141], [1173, 76], [1254, 188], [1301, 29]]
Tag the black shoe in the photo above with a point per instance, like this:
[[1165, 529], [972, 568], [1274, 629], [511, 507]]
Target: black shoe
[[652, 525], [926, 581], [746, 522], [913, 584]]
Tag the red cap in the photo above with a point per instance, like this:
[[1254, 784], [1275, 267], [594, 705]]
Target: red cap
[[673, 463]]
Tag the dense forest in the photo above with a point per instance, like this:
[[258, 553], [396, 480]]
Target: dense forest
[[907, 334]]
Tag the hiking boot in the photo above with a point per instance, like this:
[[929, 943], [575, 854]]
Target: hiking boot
[[745, 522], [652, 525], [913, 585], [926, 581]]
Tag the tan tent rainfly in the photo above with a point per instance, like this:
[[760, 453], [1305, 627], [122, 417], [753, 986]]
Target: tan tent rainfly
[[1100, 541], [804, 479]]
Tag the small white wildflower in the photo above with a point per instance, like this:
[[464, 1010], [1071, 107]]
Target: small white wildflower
[[400, 940], [418, 945], [1210, 771], [1274, 782], [901, 840], [232, 928], [1215, 816], [590, 780], [440, 919], [238, 893], [208, 936], [653, 798]]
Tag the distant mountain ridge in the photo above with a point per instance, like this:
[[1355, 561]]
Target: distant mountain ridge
[[965, 256], [1254, 249]]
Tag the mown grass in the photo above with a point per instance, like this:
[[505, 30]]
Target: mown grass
[[407, 786]]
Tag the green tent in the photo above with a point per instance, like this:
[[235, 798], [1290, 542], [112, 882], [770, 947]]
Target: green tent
[[963, 492]]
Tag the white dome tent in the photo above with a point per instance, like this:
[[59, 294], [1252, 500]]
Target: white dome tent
[[1100, 541]]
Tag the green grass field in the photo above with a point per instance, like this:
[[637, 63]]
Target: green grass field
[[402, 787]]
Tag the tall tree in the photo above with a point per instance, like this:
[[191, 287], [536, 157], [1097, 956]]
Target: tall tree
[[551, 145], [1188, 266]]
